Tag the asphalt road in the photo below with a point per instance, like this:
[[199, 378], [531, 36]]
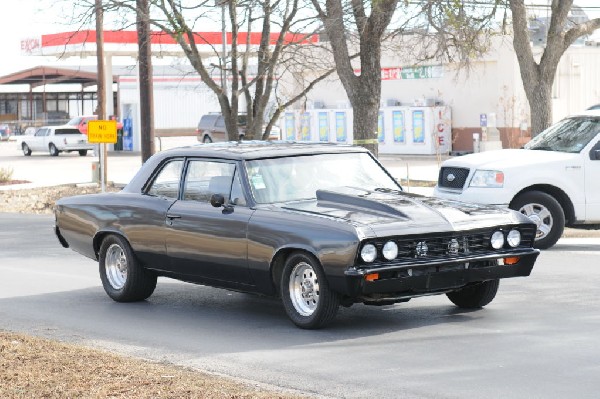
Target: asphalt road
[[538, 339]]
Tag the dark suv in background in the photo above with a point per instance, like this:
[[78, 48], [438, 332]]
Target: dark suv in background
[[211, 128]]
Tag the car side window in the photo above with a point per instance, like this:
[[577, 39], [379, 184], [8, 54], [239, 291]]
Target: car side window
[[205, 178], [220, 122], [166, 183], [41, 132]]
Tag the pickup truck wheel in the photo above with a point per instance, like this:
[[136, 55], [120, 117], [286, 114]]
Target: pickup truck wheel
[[82, 153], [305, 293], [123, 277], [53, 150], [26, 149], [476, 295], [545, 211]]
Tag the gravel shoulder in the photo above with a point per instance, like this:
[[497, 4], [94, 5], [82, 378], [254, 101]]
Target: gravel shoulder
[[32, 367]]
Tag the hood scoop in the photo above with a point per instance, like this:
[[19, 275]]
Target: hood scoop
[[357, 199]]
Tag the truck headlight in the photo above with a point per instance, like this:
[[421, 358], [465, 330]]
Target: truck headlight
[[487, 178]]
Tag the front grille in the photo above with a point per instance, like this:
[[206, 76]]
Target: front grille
[[447, 246], [453, 177]]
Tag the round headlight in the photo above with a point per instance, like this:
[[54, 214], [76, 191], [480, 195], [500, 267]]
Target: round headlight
[[368, 253], [390, 250], [513, 238], [497, 240]]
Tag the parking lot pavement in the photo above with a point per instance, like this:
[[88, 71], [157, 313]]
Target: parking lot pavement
[[43, 170]]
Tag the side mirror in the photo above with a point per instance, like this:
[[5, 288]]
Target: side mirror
[[217, 200]]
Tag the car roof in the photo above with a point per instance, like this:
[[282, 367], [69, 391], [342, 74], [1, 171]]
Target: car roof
[[246, 150]]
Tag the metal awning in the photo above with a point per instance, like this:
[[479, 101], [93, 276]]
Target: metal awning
[[43, 75]]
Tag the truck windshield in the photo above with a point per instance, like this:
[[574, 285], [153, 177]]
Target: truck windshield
[[568, 135]]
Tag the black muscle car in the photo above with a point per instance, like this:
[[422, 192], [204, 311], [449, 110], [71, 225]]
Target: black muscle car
[[320, 225]]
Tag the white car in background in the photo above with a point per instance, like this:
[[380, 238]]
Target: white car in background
[[554, 179], [54, 140]]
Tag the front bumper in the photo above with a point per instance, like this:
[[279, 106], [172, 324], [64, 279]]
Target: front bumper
[[423, 278], [490, 196], [77, 147]]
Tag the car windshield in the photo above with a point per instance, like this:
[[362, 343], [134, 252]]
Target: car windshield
[[299, 177], [75, 121], [568, 135]]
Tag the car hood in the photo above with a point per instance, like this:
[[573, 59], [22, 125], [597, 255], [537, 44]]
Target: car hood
[[508, 159], [388, 212]]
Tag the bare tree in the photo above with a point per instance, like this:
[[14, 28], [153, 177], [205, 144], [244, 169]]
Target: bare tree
[[538, 76]]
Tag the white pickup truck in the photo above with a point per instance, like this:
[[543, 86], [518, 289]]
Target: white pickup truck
[[554, 179], [55, 139]]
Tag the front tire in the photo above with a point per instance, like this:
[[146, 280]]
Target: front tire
[[305, 292], [123, 277], [206, 139], [476, 295], [26, 149], [82, 153], [545, 211], [53, 150]]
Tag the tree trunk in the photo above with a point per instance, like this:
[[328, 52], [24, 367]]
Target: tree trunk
[[365, 106], [540, 102]]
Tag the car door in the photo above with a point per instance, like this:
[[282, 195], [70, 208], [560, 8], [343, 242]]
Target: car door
[[592, 181], [144, 219], [36, 142], [207, 242]]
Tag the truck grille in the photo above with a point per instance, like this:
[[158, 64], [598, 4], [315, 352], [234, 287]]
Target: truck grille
[[453, 177]]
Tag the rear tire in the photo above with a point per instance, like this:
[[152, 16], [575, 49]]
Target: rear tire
[[26, 149], [545, 211], [82, 153], [305, 292], [206, 139], [53, 150], [476, 295], [123, 277]]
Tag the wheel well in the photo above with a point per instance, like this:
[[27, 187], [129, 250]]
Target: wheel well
[[558, 194], [279, 261], [98, 238]]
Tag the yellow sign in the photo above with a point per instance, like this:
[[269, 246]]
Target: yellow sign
[[102, 131]]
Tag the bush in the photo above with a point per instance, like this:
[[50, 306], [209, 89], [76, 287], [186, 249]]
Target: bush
[[5, 175]]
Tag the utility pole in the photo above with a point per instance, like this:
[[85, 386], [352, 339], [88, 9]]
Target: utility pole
[[101, 88], [145, 78]]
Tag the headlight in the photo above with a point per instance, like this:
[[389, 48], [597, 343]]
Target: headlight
[[497, 240], [368, 253], [487, 178], [513, 238], [390, 250]]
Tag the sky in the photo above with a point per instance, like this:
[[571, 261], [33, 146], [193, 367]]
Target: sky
[[33, 18]]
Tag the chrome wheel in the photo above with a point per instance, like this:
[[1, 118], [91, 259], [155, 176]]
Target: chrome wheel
[[304, 289], [541, 216], [116, 266]]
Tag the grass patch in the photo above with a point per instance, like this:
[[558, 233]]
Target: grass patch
[[32, 367], [6, 174]]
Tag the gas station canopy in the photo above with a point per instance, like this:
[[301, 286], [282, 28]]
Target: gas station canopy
[[44, 75], [124, 43]]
